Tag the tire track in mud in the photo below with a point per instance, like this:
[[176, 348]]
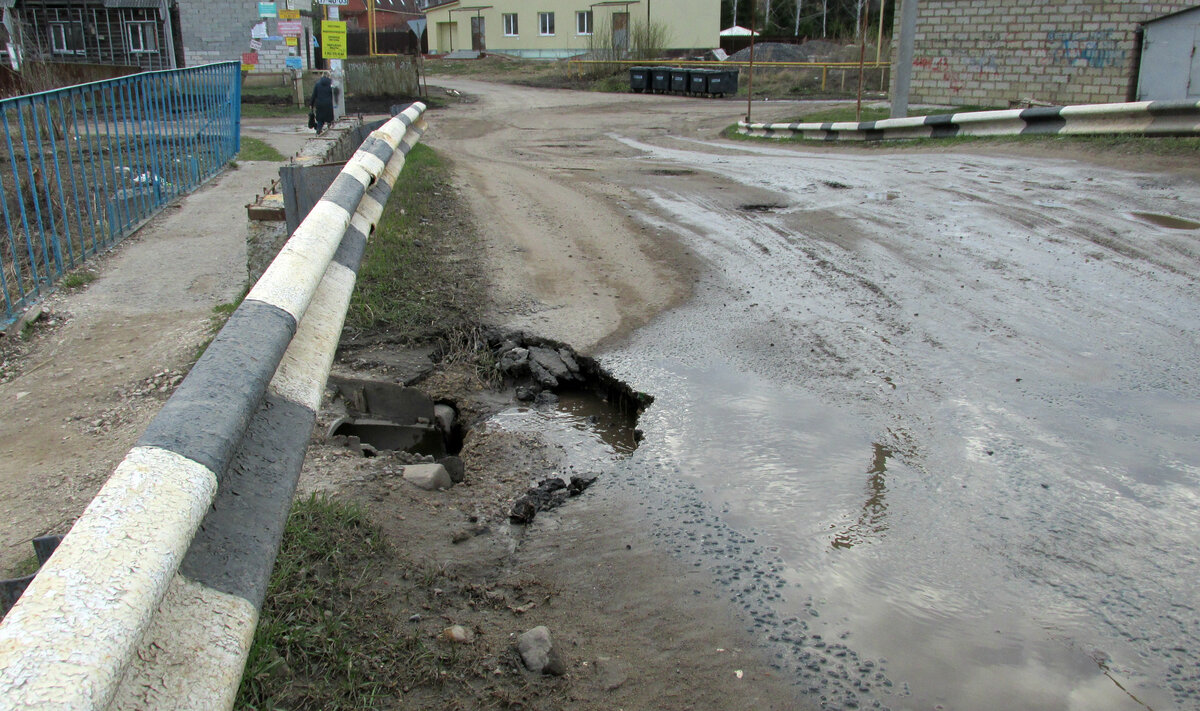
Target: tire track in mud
[[965, 356]]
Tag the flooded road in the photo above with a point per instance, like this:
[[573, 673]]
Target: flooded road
[[965, 420], [931, 420]]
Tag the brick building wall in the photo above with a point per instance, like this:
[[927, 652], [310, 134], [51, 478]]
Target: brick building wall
[[219, 31], [993, 52]]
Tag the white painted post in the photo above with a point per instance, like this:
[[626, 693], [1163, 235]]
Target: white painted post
[[337, 73]]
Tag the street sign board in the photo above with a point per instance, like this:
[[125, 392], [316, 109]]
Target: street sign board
[[333, 39]]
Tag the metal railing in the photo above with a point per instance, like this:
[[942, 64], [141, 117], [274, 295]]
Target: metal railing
[[151, 600], [84, 166]]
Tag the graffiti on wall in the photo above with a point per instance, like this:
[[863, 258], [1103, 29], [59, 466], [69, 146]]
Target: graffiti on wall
[[1097, 49], [958, 71]]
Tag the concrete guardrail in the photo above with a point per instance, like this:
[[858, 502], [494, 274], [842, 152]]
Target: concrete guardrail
[[1149, 118], [141, 606]]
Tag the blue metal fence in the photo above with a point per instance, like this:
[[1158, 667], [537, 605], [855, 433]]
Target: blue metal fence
[[84, 166]]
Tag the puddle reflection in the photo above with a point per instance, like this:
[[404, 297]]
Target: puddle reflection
[[870, 522]]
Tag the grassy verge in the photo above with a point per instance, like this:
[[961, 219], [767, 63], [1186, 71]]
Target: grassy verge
[[319, 643], [78, 279], [257, 149], [273, 111], [420, 278], [336, 631], [847, 113]]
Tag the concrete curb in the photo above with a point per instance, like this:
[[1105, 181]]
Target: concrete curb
[[68, 641], [1148, 118]]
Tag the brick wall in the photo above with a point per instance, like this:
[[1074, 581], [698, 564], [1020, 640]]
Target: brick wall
[[993, 52], [219, 31]]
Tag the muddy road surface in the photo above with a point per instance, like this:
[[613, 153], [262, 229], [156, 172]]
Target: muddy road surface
[[929, 419]]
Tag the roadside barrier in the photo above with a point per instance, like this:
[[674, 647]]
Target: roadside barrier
[[139, 607], [1148, 118]]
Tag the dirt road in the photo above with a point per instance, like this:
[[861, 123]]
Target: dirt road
[[924, 423], [928, 417]]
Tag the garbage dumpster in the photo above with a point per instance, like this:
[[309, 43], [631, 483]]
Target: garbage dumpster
[[699, 80], [639, 79], [680, 80], [722, 82], [660, 79]]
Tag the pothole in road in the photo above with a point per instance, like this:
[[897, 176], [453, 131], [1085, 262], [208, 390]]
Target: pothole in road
[[382, 416], [537, 385], [672, 172], [761, 207], [1169, 221], [564, 387]]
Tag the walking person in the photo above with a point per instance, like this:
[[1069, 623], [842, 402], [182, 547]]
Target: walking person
[[322, 103]]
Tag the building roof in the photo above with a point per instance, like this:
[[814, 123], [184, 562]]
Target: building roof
[[1173, 14]]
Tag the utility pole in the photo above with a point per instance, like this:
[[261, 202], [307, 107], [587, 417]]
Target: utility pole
[[904, 58], [337, 72], [862, 55], [750, 76], [796, 30]]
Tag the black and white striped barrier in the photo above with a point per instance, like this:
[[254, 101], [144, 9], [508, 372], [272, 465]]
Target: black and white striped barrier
[[136, 608], [1148, 118]]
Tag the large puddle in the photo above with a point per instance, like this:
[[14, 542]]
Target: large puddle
[[949, 469]]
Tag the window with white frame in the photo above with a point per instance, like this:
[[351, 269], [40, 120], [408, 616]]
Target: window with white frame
[[545, 23], [142, 37], [510, 24], [66, 38], [583, 22]]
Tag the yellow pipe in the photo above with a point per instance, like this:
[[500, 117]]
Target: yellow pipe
[[372, 48]]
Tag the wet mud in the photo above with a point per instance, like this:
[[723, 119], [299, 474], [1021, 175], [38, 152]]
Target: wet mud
[[937, 440], [927, 419]]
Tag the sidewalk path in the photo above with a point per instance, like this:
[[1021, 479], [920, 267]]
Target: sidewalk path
[[90, 386]]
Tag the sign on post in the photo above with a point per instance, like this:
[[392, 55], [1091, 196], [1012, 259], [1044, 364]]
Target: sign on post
[[333, 39]]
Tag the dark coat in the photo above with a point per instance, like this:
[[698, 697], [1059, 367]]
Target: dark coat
[[322, 99]]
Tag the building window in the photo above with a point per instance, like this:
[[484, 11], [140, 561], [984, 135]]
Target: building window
[[583, 22], [510, 25], [142, 36], [545, 23], [66, 37]]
